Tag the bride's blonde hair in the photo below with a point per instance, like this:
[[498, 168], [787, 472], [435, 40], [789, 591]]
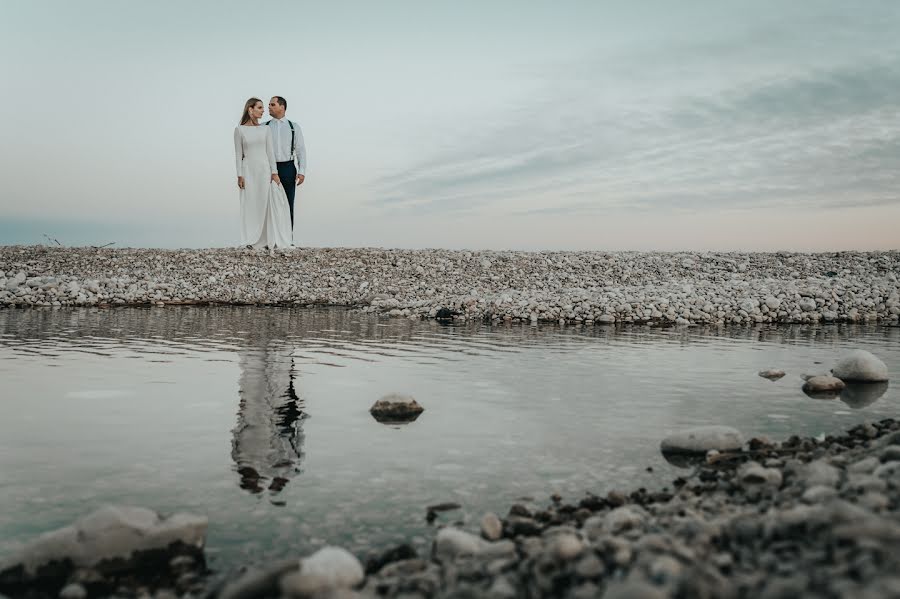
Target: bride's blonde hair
[[245, 118]]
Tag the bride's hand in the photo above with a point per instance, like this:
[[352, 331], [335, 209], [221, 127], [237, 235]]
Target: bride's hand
[[277, 179], [240, 183]]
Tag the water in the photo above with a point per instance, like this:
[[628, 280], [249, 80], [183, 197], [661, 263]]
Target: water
[[165, 408]]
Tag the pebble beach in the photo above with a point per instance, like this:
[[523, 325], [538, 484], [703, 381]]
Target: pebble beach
[[566, 287], [749, 517]]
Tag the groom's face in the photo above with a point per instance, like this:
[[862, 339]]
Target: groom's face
[[276, 109]]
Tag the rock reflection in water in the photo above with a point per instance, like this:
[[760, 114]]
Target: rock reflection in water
[[860, 395], [267, 443]]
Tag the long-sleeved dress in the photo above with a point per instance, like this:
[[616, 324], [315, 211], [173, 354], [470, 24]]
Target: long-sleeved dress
[[265, 216]]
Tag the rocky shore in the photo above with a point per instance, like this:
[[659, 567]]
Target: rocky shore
[[813, 517], [566, 287]]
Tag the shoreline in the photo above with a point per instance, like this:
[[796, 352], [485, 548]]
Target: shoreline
[[803, 517], [652, 288]]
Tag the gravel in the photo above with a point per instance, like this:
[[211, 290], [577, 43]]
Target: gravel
[[567, 287]]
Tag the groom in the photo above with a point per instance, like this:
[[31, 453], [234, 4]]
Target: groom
[[290, 151]]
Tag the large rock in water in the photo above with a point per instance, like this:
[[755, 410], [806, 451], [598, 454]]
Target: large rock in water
[[396, 408], [702, 439], [113, 540], [860, 366]]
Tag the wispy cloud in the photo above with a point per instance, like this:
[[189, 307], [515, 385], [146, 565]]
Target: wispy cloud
[[814, 137]]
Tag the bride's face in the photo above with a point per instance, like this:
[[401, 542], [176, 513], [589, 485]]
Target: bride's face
[[256, 111]]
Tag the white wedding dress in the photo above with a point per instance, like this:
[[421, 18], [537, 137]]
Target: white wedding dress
[[265, 215]]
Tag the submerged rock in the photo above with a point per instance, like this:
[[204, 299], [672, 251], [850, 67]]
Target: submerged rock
[[702, 439], [396, 408], [860, 366], [772, 374]]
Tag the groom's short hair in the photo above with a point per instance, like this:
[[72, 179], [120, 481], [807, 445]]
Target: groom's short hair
[[281, 101]]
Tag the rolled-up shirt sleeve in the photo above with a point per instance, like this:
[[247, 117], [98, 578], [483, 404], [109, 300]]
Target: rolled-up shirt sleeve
[[238, 150], [300, 151]]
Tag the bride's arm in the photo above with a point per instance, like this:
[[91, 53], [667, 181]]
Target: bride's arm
[[270, 152], [238, 155]]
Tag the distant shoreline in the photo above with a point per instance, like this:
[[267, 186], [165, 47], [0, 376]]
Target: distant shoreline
[[569, 287]]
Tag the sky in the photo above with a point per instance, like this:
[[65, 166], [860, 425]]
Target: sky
[[655, 125]]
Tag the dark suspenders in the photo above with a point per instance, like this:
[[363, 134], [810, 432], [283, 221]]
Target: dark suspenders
[[293, 145]]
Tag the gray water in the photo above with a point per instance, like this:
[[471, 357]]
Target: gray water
[[165, 408]]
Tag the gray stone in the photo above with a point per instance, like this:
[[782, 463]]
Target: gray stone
[[891, 453], [396, 408], [819, 494], [887, 470], [864, 466], [823, 384], [665, 570], [590, 566], [259, 582], [702, 439], [820, 473], [772, 374], [754, 474], [630, 589], [623, 518], [860, 366]]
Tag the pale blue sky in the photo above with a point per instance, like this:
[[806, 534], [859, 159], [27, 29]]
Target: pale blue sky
[[567, 125]]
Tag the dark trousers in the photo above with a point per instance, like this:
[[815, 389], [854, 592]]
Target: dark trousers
[[287, 172]]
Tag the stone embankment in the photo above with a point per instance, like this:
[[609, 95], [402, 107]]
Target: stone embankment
[[579, 287]]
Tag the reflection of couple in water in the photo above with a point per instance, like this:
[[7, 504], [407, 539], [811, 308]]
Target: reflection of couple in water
[[268, 439]]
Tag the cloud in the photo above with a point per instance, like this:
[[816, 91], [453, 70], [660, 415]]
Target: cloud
[[812, 137]]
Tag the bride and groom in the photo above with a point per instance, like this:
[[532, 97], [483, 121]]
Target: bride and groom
[[271, 163]]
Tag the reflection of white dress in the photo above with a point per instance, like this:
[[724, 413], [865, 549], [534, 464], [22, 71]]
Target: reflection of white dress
[[269, 436], [265, 216]]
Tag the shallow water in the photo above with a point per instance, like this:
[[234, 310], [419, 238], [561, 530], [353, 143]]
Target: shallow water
[[166, 408]]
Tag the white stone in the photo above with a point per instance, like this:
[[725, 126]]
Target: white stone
[[110, 532], [491, 526], [451, 543], [327, 569], [861, 366]]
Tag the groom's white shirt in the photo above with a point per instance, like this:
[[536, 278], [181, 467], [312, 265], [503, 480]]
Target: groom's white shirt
[[281, 140]]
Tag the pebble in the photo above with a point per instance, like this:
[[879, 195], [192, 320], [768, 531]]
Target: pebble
[[491, 526]]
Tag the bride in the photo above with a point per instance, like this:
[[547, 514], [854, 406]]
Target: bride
[[265, 216]]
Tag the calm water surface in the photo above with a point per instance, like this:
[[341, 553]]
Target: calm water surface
[[201, 409]]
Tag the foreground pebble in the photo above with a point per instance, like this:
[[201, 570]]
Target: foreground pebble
[[570, 287], [110, 543], [806, 517]]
